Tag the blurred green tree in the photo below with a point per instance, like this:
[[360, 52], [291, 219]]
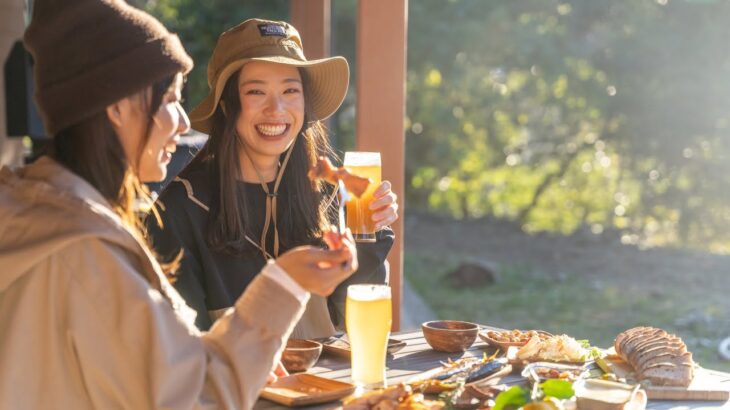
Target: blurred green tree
[[560, 115]]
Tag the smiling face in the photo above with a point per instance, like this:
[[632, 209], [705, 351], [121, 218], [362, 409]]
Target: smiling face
[[149, 153], [272, 109], [168, 123]]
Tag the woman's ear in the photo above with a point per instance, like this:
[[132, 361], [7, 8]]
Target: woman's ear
[[115, 113]]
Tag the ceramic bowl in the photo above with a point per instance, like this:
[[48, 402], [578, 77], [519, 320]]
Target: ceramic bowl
[[299, 355], [450, 335]]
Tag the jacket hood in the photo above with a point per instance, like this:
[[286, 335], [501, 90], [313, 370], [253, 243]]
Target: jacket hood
[[43, 208]]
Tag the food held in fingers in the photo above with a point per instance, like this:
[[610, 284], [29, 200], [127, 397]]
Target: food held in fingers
[[333, 239], [324, 170]]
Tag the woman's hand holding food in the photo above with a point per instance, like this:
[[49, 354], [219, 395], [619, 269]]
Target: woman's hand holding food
[[319, 270]]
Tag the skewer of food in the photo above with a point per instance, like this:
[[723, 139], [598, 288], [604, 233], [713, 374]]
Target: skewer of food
[[345, 182], [324, 170]]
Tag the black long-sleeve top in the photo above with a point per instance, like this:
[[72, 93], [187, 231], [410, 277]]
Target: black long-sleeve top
[[211, 281]]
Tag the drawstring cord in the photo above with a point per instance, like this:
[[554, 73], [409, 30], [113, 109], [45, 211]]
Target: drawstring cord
[[271, 200]]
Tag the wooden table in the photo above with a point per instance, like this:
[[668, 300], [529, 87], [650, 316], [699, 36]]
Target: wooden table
[[418, 357]]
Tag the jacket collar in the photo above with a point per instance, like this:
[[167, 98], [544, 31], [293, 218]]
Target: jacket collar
[[47, 170]]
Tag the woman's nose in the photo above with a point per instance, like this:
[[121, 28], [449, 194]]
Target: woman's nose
[[274, 103], [184, 122]]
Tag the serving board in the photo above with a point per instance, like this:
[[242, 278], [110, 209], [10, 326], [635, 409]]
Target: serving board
[[706, 385], [305, 389], [340, 346]]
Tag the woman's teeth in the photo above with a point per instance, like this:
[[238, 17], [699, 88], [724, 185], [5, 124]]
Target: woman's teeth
[[271, 130]]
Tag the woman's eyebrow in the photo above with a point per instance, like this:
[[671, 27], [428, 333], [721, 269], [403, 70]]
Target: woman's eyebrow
[[286, 80]]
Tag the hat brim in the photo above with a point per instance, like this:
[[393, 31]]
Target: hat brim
[[327, 80]]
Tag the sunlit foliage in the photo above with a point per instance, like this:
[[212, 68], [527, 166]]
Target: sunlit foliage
[[593, 114]]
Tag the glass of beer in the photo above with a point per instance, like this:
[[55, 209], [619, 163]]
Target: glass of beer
[[368, 319], [359, 215]]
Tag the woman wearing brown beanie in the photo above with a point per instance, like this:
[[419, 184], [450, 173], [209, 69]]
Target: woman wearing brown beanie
[[246, 197], [88, 317]]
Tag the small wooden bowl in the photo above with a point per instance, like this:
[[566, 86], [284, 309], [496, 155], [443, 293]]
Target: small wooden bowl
[[450, 335], [299, 354]]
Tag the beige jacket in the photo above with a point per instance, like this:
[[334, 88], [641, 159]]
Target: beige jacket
[[84, 323]]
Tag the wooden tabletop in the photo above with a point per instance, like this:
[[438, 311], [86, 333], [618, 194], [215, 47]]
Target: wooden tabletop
[[417, 357]]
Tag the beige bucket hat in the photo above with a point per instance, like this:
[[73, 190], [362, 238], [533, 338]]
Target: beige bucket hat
[[276, 42]]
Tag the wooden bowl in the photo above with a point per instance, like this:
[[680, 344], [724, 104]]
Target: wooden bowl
[[449, 335], [299, 355]]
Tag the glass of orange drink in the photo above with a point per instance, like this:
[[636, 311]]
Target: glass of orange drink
[[359, 215]]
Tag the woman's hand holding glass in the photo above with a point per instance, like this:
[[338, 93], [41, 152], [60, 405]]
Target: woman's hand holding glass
[[318, 270], [384, 205]]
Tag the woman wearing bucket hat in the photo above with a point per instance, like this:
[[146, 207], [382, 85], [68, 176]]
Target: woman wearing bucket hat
[[246, 197], [88, 317]]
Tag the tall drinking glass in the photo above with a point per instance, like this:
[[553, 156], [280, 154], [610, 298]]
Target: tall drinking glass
[[368, 319], [359, 215]]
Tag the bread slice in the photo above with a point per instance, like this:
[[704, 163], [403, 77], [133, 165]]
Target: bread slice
[[642, 338], [667, 357], [659, 346], [668, 374], [666, 344], [623, 336]]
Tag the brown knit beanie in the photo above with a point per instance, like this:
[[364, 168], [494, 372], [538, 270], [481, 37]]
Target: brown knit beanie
[[91, 53]]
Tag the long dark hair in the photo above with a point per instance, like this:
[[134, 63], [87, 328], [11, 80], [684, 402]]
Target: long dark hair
[[303, 218], [92, 150]]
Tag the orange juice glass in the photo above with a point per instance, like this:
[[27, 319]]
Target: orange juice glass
[[359, 215]]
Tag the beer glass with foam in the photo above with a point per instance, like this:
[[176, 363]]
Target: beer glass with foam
[[368, 319], [359, 215]]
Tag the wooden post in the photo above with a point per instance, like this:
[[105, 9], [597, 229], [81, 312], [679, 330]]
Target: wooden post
[[12, 24], [312, 20], [381, 84]]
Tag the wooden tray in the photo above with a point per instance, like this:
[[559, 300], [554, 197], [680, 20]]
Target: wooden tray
[[305, 389], [706, 385], [339, 346], [504, 345]]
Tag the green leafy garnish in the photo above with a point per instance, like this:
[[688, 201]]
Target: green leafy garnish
[[595, 353], [513, 398], [560, 389]]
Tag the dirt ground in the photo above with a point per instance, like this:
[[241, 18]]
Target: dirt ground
[[690, 287]]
